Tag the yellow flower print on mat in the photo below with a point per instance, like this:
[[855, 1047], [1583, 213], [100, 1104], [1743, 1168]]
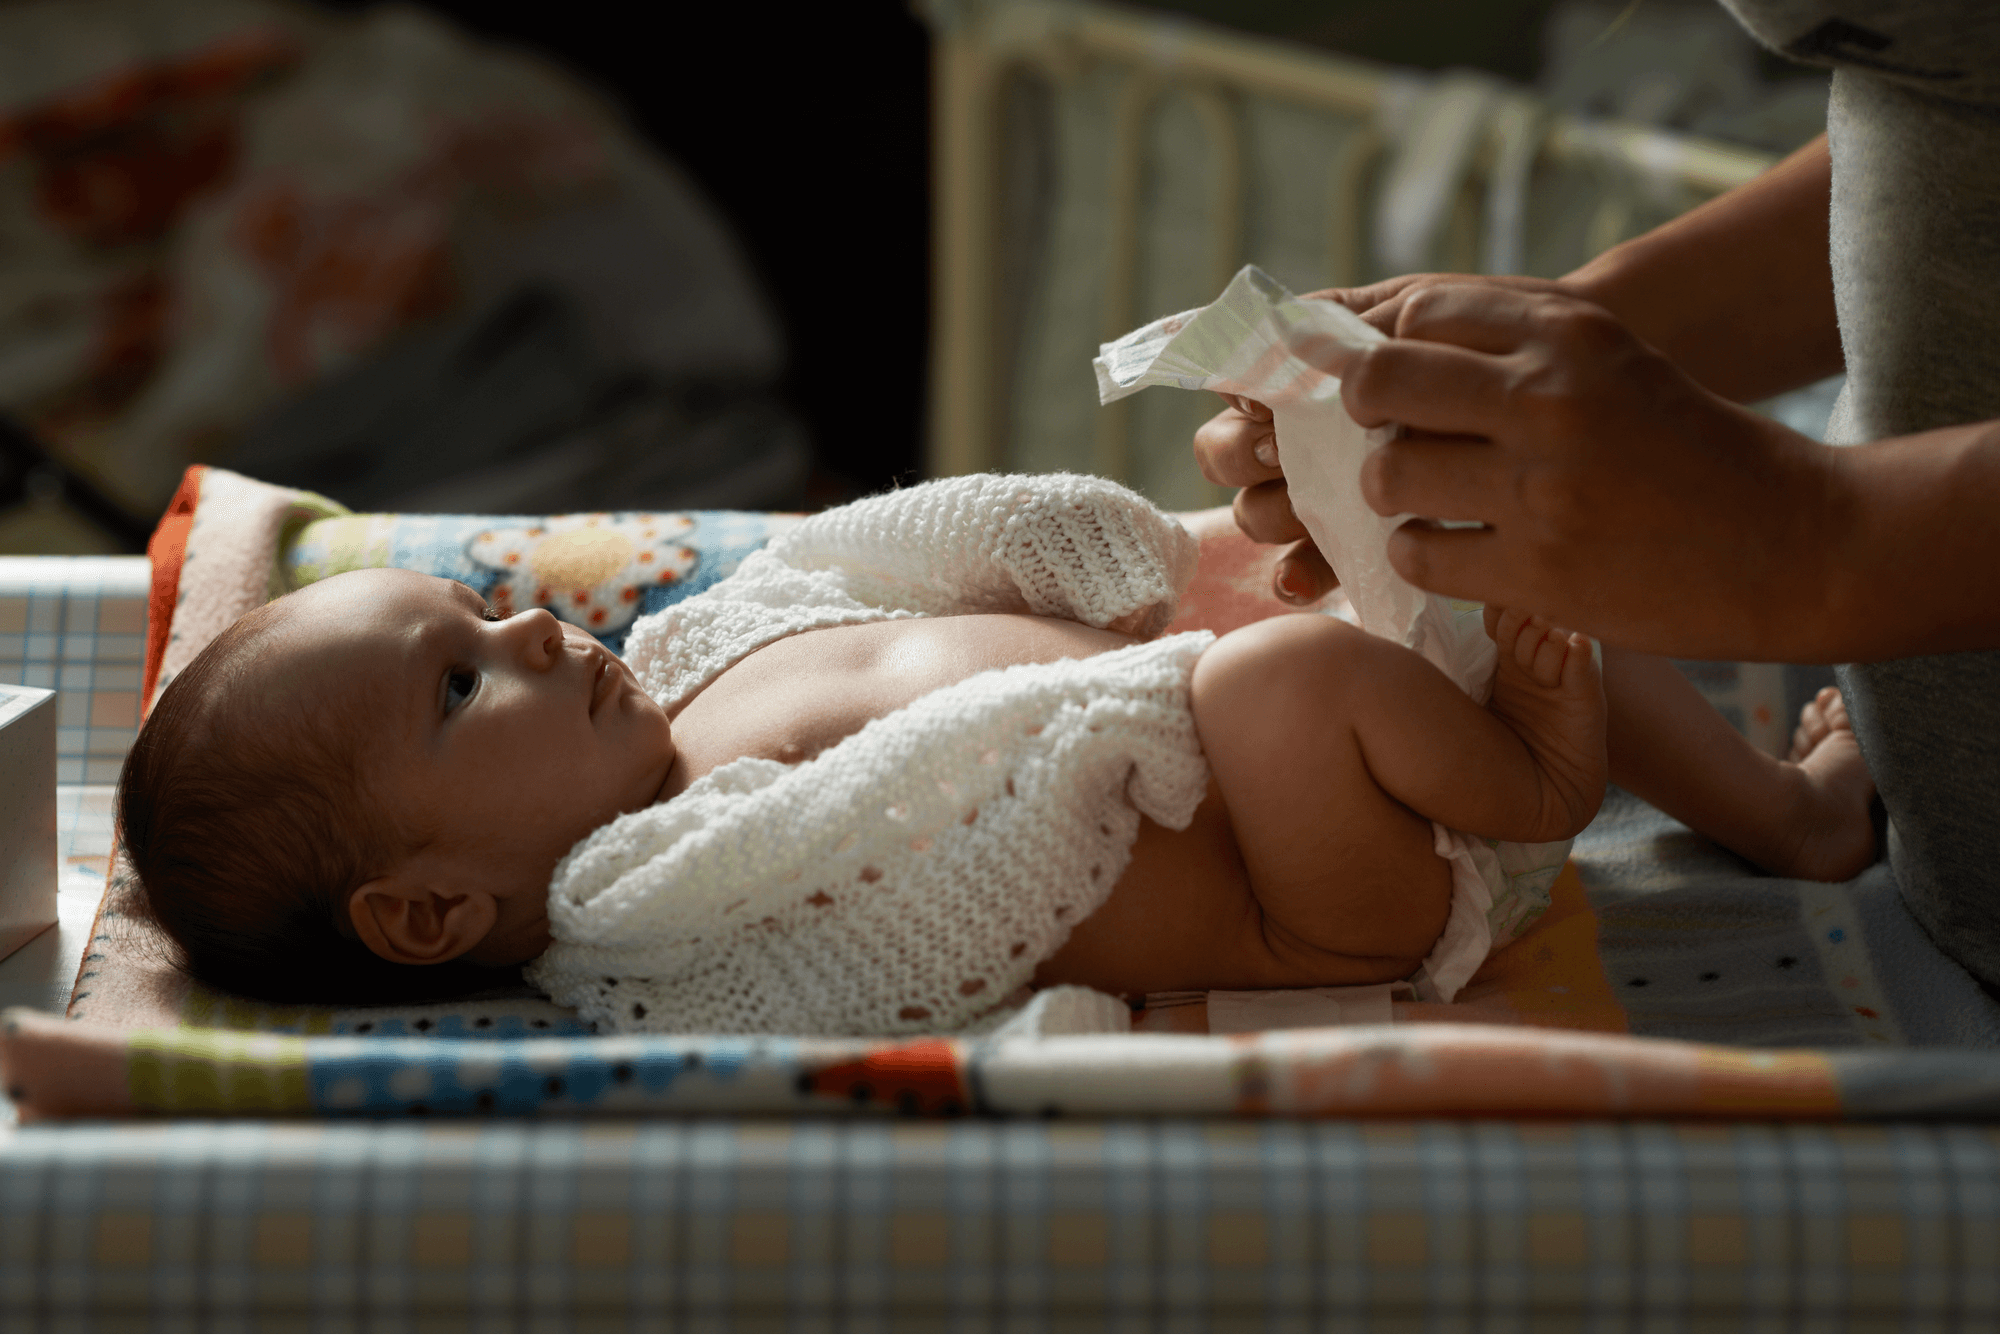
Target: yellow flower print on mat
[[587, 569]]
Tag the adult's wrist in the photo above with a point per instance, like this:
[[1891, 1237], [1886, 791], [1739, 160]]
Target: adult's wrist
[[1738, 292], [1822, 601], [1607, 281]]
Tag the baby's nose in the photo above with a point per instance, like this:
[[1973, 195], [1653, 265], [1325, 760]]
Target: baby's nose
[[541, 635]]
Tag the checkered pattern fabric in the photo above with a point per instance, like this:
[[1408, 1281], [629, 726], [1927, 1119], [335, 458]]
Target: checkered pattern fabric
[[78, 625], [1148, 1225]]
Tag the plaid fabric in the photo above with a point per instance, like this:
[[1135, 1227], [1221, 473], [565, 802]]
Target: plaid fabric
[[78, 625], [1150, 1225]]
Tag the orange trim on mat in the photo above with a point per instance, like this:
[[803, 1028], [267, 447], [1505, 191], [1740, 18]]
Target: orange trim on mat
[[922, 1076], [166, 549]]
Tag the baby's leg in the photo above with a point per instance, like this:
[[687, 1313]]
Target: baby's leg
[[1807, 817], [1334, 750]]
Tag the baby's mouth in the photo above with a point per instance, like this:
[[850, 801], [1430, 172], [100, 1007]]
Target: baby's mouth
[[602, 685]]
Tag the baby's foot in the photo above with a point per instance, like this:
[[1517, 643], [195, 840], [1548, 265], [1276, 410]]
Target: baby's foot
[[1831, 836], [1547, 688]]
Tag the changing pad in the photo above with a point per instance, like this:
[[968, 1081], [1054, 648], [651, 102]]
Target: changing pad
[[142, 1036]]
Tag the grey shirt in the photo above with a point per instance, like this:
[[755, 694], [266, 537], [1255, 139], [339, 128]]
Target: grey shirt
[[1914, 129]]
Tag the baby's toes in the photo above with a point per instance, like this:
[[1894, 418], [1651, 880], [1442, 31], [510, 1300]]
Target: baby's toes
[[1823, 714], [1579, 664], [1528, 639], [1547, 668], [1504, 625]]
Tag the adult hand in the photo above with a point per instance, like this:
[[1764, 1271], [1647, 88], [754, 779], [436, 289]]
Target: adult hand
[[1238, 447], [1381, 304], [1604, 477]]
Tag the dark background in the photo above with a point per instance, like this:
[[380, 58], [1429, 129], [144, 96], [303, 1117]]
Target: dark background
[[808, 127]]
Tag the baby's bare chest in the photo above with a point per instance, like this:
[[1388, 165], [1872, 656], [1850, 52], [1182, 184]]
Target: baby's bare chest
[[797, 696]]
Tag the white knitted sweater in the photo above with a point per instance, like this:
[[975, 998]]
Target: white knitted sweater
[[910, 878]]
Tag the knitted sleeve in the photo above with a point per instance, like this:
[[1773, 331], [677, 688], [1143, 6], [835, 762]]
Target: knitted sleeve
[[1058, 544]]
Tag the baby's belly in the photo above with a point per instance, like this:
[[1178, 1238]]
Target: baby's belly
[[796, 697]]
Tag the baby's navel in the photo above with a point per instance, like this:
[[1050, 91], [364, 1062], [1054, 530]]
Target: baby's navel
[[791, 753]]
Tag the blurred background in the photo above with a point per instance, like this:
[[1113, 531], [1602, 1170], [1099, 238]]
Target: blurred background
[[505, 258]]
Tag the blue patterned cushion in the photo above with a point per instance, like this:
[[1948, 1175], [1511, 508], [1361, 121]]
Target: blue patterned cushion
[[599, 571]]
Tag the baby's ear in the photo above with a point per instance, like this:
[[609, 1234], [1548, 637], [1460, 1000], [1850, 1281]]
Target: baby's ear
[[404, 919]]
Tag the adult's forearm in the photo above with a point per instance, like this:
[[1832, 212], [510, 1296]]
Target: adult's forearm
[[1738, 292], [1914, 562]]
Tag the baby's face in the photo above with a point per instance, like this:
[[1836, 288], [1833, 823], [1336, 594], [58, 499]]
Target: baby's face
[[509, 739]]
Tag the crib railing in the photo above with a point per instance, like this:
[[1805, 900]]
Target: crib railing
[[1096, 167]]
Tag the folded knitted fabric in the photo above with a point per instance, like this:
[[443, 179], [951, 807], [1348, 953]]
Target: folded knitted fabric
[[910, 878]]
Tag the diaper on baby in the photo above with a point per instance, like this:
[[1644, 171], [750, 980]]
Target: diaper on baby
[[1256, 340]]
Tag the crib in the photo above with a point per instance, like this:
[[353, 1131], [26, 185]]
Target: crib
[[1099, 167], [1154, 1222]]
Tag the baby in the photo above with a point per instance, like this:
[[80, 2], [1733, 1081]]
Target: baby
[[918, 753]]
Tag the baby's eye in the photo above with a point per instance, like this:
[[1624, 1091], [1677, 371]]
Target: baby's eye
[[459, 684], [493, 614]]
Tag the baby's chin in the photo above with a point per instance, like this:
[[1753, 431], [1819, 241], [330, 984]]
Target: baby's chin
[[652, 789]]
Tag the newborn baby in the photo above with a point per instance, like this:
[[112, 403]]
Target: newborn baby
[[916, 754]]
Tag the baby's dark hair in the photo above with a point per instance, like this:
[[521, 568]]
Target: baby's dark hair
[[250, 827]]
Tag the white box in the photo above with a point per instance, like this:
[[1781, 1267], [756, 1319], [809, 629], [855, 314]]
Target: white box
[[27, 815]]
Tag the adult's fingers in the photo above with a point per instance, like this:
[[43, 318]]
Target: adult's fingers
[[1456, 562], [1368, 300], [1265, 513], [1382, 304], [1429, 386], [1235, 450], [1487, 317], [1249, 407], [1436, 478]]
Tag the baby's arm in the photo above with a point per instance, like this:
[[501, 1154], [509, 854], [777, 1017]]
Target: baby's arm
[[1080, 548], [1059, 545]]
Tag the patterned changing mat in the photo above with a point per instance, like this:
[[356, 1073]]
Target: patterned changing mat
[[1653, 933]]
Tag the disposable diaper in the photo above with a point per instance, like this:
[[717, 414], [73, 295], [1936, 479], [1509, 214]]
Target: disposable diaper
[[1261, 341]]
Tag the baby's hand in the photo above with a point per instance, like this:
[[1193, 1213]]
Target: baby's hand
[[1133, 623]]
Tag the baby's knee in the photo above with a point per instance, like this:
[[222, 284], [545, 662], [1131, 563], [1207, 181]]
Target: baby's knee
[[1279, 660]]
